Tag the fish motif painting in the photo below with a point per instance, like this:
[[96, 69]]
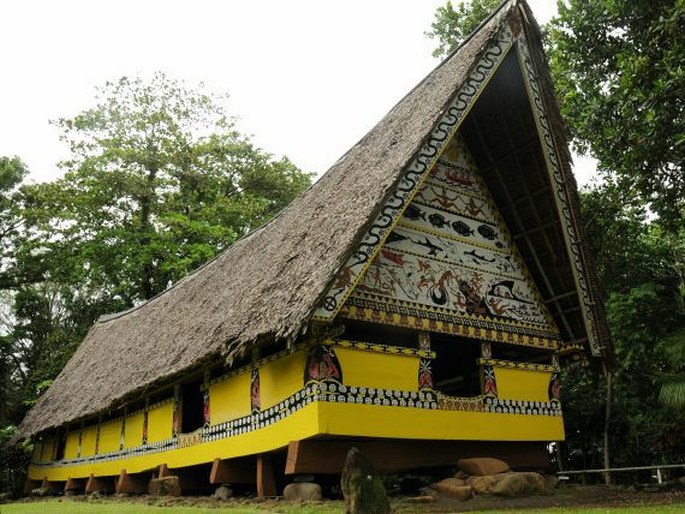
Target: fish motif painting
[[451, 251]]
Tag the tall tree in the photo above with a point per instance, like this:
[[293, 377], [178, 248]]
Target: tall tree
[[618, 70], [158, 183], [451, 26], [12, 173]]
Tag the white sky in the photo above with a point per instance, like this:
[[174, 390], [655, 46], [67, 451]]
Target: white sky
[[307, 78]]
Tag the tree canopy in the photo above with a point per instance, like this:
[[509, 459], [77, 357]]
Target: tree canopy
[[158, 183], [618, 71]]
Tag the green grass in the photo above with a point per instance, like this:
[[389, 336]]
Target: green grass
[[67, 506]]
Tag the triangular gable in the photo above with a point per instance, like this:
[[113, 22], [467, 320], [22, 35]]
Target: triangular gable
[[413, 176], [449, 265], [510, 38]]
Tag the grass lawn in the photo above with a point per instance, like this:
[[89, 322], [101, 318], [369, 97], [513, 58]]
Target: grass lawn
[[66, 506]]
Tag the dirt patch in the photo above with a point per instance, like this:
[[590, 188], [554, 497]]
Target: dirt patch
[[565, 496]]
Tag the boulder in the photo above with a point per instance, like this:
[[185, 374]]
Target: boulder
[[453, 488], [362, 487], [420, 499], [519, 484], [223, 492], [165, 486], [302, 492], [5, 497], [551, 482], [482, 485], [482, 466], [40, 491]]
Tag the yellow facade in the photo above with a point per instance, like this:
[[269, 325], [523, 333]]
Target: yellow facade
[[369, 369], [522, 384], [160, 419], [71, 449], [88, 439], [230, 399], [392, 372], [133, 434], [110, 434], [280, 379]]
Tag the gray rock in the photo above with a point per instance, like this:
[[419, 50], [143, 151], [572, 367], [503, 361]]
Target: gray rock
[[302, 492], [482, 466], [166, 486], [453, 488], [223, 492], [482, 485], [519, 484], [40, 491], [5, 497]]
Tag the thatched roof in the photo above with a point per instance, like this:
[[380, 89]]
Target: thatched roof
[[266, 286]]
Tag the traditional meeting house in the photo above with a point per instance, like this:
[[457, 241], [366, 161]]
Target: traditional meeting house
[[415, 302]]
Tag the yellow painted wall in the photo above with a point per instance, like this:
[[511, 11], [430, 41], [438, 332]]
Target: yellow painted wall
[[48, 449], [71, 448], [36, 454], [300, 425], [133, 436], [378, 370], [160, 422], [522, 384], [88, 440], [230, 398], [110, 433], [406, 422], [281, 378]]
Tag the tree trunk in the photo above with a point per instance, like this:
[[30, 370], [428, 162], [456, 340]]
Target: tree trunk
[[607, 420]]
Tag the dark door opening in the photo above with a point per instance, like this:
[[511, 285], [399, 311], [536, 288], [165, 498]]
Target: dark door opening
[[455, 367], [192, 416], [61, 445]]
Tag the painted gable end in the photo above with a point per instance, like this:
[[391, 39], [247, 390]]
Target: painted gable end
[[449, 265]]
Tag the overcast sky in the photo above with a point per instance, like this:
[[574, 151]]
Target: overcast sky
[[306, 79]]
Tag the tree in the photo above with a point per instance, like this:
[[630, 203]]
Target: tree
[[12, 173], [617, 68], [159, 182], [451, 26]]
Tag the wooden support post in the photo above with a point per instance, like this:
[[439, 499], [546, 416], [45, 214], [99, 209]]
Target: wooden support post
[[75, 485], [163, 471], [233, 471], [51, 487], [266, 481], [30, 485], [130, 484], [100, 484]]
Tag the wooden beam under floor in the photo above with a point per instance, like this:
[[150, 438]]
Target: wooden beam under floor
[[100, 484], [233, 471], [75, 484], [131, 484], [321, 456], [266, 480]]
